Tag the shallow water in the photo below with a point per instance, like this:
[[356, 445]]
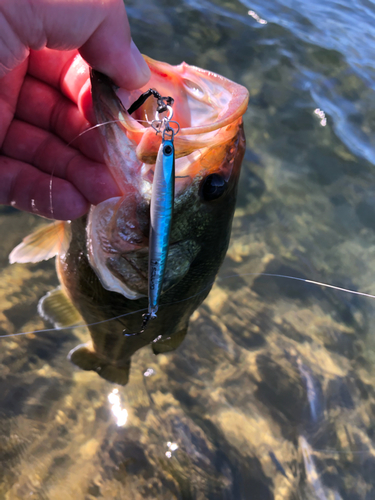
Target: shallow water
[[272, 393]]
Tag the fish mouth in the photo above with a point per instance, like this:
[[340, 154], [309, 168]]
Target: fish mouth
[[207, 107]]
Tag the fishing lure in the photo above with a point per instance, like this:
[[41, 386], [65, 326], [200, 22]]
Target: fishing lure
[[162, 198], [161, 210]]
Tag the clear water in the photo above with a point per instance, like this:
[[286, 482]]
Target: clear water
[[272, 394]]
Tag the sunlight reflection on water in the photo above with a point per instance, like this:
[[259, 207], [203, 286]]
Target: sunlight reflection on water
[[121, 414]]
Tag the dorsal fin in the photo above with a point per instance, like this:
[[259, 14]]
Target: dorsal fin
[[43, 244]]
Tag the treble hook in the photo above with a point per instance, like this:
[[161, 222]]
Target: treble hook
[[146, 318]]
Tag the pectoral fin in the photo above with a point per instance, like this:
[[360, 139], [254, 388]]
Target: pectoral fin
[[43, 244], [86, 359], [170, 343], [57, 308]]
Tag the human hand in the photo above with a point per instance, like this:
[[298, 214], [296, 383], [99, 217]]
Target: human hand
[[44, 86]]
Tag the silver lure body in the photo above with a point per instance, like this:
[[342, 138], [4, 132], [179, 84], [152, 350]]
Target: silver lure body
[[161, 209]]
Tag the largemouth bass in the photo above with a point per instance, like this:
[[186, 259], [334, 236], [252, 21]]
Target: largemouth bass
[[102, 258]]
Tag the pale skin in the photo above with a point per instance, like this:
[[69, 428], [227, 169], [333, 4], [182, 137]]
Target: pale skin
[[45, 103]]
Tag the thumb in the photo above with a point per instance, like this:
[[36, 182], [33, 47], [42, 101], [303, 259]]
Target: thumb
[[98, 29], [112, 51]]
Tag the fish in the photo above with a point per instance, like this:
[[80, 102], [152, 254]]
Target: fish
[[102, 258]]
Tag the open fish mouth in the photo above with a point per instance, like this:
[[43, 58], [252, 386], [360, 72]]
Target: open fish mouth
[[209, 145], [207, 107]]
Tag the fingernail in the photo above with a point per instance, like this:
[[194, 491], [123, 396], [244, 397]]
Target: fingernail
[[144, 73]]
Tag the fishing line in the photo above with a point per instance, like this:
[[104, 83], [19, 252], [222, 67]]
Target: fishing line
[[97, 126], [305, 280], [164, 101], [220, 278], [78, 325], [45, 330]]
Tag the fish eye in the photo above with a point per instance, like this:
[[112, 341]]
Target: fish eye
[[212, 187]]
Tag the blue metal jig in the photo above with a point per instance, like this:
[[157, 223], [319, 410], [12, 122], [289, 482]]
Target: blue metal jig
[[161, 210]]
